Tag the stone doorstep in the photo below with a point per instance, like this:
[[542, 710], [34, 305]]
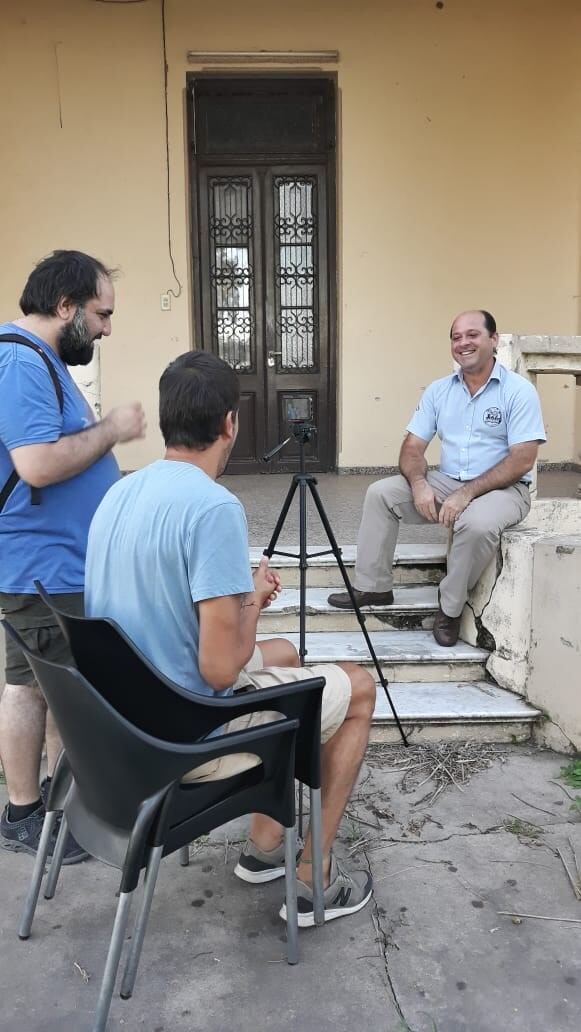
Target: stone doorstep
[[406, 555], [452, 711], [403, 655], [414, 608], [407, 598], [400, 646], [413, 565], [449, 701]]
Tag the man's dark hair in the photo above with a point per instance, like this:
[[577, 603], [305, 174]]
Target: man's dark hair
[[489, 322], [196, 392], [64, 274]]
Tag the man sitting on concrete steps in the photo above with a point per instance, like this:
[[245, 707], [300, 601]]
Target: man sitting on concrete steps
[[168, 561], [490, 424]]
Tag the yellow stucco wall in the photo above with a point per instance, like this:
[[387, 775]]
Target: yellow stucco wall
[[458, 179]]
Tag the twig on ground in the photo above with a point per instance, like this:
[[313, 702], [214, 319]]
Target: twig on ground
[[562, 787], [533, 807], [392, 874], [574, 884], [446, 765], [531, 863], [577, 871], [360, 820], [358, 845], [539, 917], [84, 974]]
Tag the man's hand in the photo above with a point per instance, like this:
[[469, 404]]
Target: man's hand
[[127, 421], [267, 584], [425, 500], [454, 506]]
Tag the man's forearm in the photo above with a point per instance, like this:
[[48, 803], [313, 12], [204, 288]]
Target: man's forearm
[[504, 474], [41, 465], [413, 466], [249, 615]]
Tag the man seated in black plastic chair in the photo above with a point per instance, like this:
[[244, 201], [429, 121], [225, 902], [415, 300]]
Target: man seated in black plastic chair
[[168, 561]]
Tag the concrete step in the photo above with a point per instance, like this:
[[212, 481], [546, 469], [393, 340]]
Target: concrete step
[[413, 564], [452, 710], [403, 655], [413, 609]]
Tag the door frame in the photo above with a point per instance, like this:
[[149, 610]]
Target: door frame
[[194, 163]]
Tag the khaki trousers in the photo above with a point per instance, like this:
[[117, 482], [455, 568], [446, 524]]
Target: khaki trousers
[[474, 541]]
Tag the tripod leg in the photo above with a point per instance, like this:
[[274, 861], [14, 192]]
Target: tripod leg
[[360, 617], [269, 550]]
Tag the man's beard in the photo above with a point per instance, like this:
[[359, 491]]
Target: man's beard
[[75, 344]]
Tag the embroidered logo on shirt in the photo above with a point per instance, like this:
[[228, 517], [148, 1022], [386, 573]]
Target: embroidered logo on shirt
[[492, 417]]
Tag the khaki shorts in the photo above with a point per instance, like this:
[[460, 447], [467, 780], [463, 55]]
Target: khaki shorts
[[336, 699]]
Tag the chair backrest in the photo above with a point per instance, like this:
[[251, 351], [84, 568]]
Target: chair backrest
[[115, 764], [124, 676]]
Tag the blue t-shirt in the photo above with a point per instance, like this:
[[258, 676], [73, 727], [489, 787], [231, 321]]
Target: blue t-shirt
[[162, 540], [46, 541], [477, 430]]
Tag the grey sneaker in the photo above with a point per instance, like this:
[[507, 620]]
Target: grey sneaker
[[348, 892], [24, 837], [256, 865]]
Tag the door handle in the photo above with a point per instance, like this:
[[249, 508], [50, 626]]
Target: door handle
[[270, 358]]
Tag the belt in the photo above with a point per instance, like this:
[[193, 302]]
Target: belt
[[526, 483]]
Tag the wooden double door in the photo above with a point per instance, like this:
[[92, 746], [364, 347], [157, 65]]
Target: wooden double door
[[265, 273]]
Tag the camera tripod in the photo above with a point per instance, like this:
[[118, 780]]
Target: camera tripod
[[303, 432]]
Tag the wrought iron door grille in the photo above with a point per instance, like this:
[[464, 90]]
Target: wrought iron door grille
[[232, 269], [296, 280]]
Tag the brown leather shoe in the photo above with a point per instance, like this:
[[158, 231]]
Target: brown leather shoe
[[446, 628], [341, 600]]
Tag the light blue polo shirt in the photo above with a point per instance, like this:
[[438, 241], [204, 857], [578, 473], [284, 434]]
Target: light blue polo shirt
[[477, 430]]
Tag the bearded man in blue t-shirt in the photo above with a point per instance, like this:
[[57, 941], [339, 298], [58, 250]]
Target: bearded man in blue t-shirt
[[55, 467]]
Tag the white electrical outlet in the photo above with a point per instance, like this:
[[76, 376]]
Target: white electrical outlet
[[165, 302]]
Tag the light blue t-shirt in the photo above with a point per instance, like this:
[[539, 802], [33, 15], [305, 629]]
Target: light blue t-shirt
[[477, 431], [163, 539], [46, 541]]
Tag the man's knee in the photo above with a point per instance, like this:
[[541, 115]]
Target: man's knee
[[389, 491], [279, 652], [363, 692], [476, 527]]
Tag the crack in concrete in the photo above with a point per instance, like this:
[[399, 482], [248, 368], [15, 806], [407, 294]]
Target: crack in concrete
[[384, 944], [495, 829], [484, 638]]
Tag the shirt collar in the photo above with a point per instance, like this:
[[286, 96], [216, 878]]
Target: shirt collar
[[495, 374]]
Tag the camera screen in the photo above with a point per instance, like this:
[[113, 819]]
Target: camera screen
[[298, 409]]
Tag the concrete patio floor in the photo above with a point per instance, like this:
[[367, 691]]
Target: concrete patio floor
[[430, 953]]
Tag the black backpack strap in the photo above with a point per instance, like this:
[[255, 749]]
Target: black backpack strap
[[16, 338]]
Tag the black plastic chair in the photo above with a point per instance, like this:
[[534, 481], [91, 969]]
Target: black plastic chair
[[125, 677], [123, 800]]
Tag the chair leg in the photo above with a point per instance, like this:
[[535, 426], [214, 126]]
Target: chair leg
[[139, 929], [112, 962], [37, 875], [57, 859], [184, 855], [317, 857], [300, 805], [292, 925]]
